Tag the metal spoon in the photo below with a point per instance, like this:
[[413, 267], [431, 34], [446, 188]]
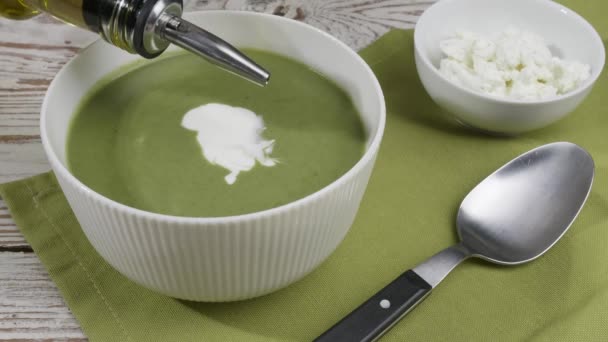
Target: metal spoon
[[512, 217]]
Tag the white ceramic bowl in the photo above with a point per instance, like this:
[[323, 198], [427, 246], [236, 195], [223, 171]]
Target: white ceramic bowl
[[568, 35], [229, 258]]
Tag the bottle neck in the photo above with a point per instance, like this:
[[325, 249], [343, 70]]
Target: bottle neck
[[145, 27], [130, 24], [113, 20]]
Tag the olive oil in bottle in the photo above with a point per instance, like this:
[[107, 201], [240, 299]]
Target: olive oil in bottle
[[16, 9]]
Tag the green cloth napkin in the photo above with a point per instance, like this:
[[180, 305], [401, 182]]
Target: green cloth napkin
[[425, 168]]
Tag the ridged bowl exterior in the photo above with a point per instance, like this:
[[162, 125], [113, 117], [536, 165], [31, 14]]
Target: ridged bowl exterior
[[219, 261], [215, 259]]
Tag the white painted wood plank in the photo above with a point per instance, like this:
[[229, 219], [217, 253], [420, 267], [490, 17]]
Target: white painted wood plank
[[10, 237], [21, 156], [30, 305]]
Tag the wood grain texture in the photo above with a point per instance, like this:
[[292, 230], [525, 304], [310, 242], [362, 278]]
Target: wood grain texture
[[10, 238], [30, 305], [32, 52]]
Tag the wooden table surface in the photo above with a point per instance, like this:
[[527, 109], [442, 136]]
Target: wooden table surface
[[32, 52]]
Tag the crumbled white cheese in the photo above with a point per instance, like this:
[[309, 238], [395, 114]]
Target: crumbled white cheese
[[517, 64]]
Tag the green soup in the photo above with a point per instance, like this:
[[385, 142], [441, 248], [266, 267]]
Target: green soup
[[126, 140]]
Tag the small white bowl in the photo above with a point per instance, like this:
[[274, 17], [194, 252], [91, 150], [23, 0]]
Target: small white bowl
[[567, 33], [225, 258]]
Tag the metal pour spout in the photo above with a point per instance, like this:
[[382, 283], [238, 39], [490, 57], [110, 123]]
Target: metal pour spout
[[205, 44]]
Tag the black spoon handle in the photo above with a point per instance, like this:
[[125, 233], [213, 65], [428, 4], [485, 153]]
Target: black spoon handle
[[379, 313]]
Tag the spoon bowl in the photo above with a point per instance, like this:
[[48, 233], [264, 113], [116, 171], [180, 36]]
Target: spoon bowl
[[518, 212], [513, 216]]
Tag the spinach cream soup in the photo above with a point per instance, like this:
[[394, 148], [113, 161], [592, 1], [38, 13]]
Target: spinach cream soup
[[131, 140]]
